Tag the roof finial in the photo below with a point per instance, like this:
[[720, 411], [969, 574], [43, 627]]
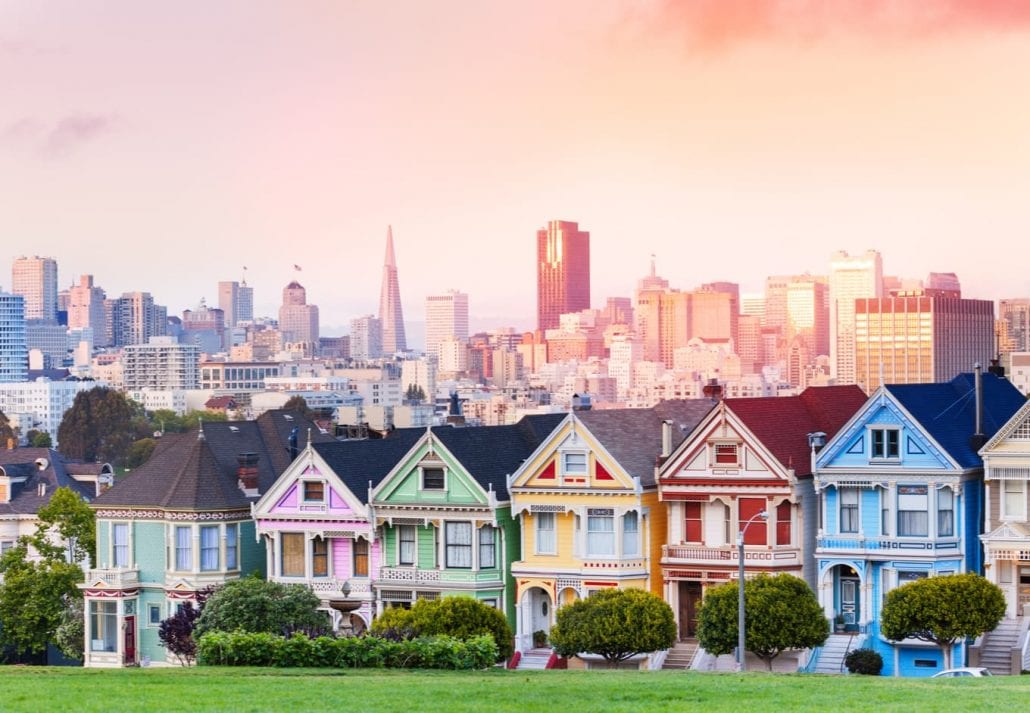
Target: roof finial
[[309, 436], [200, 428]]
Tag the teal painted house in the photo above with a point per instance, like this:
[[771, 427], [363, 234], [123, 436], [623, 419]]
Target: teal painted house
[[901, 498], [178, 524]]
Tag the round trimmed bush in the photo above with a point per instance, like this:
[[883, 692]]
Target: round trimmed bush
[[864, 661]]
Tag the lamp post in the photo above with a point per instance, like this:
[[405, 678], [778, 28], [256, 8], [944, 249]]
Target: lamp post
[[763, 515]]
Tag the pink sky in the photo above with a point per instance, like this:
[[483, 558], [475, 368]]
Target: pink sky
[[163, 146]]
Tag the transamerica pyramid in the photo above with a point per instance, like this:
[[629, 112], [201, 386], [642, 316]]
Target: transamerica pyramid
[[390, 313]]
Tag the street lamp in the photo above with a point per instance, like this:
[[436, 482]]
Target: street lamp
[[763, 515]]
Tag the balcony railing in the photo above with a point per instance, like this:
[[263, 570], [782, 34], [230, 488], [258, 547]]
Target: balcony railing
[[689, 554], [433, 577], [898, 544], [113, 577], [331, 585]]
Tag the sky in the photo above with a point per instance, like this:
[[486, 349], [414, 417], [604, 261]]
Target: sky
[[164, 146]]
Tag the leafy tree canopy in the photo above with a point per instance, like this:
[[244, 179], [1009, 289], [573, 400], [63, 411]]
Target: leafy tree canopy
[[6, 431], [781, 613], [615, 624], [257, 605], [299, 403], [167, 421], [39, 439], [461, 617], [66, 519], [100, 425], [415, 394], [942, 610], [33, 599]]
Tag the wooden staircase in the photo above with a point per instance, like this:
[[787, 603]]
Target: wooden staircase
[[681, 655], [996, 650]]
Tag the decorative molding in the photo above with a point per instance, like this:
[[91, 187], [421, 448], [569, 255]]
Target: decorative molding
[[128, 514]]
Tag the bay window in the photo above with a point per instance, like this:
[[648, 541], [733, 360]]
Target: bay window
[[120, 544], [292, 554], [848, 509], [1013, 499], [912, 511], [545, 538], [209, 548], [232, 547], [946, 512], [103, 626], [320, 557], [692, 522], [360, 558], [600, 532], [631, 534], [406, 544], [458, 544], [487, 547], [183, 548]]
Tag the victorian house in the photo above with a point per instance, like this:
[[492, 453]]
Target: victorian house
[[901, 497], [588, 505], [747, 467], [179, 523]]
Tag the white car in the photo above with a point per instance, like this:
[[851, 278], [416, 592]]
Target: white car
[[962, 673]]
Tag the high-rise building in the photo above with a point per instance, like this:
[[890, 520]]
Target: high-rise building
[[447, 317], [945, 284], [86, 309], [1016, 315], [391, 316], [808, 315], [14, 350], [298, 321], [204, 327], [35, 279], [851, 278], [366, 338], [920, 338], [562, 272], [133, 318], [161, 364], [236, 300]]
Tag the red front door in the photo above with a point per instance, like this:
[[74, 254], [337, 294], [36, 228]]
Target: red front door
[[130, 640]]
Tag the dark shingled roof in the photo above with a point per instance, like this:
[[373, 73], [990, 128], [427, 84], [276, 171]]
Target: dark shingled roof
[[782, 423], [187, 472], [948, 411], [24, 497], [634, 436], [359, 462]]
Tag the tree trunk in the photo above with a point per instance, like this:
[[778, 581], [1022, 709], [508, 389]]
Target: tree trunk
[[947, 648]]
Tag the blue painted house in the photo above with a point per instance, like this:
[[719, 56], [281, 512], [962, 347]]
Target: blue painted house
[[901, 498]]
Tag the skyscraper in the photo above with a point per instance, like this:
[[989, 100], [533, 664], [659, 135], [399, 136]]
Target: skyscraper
[[447, 317], [366, 338], [236, 300], [390, 313], [35, 279], [1016, 315], [562, 271], [851, 278], [86, 309], [14, 351], [134, 318], [298, 321]]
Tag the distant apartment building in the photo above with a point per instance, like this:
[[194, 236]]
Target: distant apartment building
[[1015, 313], [563, 271], [86, 309], [366, 338], [669, 319], [14, 350], [421, 374], [920, 338], [236, 300], [851, 278], [35, 279], [237, 377], [134, 318], [204, 327], [298, 321], [41, 404], [161, 364], [1019, 371], [48, 338], [447, 317]]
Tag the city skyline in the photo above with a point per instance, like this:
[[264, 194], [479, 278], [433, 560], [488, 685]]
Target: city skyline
[[784, 135]]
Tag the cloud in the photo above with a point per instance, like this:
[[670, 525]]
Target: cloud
[[60, 138], [713, 25]]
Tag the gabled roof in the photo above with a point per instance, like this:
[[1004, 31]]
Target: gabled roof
[[947, 411], [633, 437], [187, 472], [22, 462], [360, 462], [782, 423]]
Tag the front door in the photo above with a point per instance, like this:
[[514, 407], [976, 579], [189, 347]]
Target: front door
[[849, 604], [130, 641], [690, 597]]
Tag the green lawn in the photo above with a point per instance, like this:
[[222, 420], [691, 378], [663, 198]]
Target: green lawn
[[300, 691]]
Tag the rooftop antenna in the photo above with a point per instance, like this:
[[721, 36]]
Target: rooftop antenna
[[244, 274]]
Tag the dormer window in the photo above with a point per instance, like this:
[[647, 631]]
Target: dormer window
[[727, 455], [314, 491], [432, 479], [885, 443]]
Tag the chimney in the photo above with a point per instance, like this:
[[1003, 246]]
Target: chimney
[[978, 440], [10, 444], [247, 473], [713, 390], [666, 439], [996, 368]]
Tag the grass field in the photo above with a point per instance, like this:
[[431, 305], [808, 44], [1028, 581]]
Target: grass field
[[303, 690]]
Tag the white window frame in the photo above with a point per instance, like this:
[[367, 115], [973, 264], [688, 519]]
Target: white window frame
[[422, 477], [103, 614], [925, 510], [1007, 514], [304, 491], [126, 546], [452, 531], [950, 494], [631, 537], [176, 548], [600, 540], [232, 547], [575, 470], [150, 618], [856, 506], [551, 539], [487, 547], [217, 548], [885, 456], [400, 545], [717, 445]]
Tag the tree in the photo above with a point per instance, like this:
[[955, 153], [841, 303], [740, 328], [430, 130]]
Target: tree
[[71, 631], [39, 439], [615, 624], [415, 394], [99, 426], [6, 432], [66, 524], [458, 616], [256, 605], [781, 613], [299, 403], [942, 610], [176, 633], [33, 598], [139, 452]]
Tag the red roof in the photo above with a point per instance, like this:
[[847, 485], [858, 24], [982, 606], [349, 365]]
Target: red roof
[[782, 423]]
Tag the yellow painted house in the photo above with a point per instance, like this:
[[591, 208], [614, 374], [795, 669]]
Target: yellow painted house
[[588, 506]]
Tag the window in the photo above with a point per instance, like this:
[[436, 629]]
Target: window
[[885, 443], [232, 547], [546, 543], [314, 491], [1013, 499], [5, 546], [726, 454], [692, 528], [154, 614], [432, 479], [320, 557], [360, 558], [487, 548], [600, 532], [631, 534], [783, 524], [945, 512], [103, 624], [912, 511], [406, 544], [490, 602], [904, 577], [292, 554], [458, 544], [183, 548], [208, 548], [885, 512], [574, 463], [848, 509], [120, 544]]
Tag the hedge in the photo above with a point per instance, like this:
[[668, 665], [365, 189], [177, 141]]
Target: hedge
[[239, 648]]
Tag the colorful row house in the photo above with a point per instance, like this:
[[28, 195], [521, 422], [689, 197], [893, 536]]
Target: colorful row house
[[746, 457], [901, 497], [178, 524], [587, 501]]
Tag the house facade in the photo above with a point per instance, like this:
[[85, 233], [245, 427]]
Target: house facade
[[901, 496], [746, 457], [587, 502]]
